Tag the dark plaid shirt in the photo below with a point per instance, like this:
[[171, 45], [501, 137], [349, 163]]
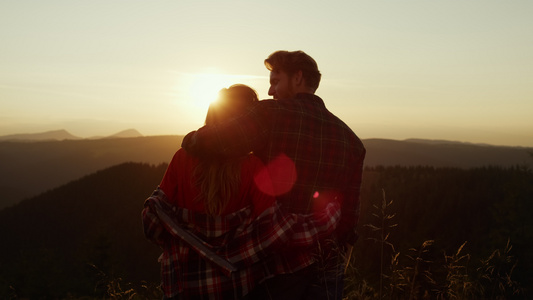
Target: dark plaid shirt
[[186, 270], [313, 157]]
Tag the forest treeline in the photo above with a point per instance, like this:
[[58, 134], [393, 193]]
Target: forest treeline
[[424, 228], [31, 168], [85, 238]]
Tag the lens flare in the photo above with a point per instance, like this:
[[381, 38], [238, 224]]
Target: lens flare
[[278, 177]]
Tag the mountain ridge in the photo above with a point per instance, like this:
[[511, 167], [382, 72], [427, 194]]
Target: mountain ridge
[[62, 134], [30, 168]]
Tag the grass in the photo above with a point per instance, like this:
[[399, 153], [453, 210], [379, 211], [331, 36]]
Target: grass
[[421, 274]]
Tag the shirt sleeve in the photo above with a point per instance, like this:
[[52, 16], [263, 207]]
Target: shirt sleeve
[[152, 226], [346, 232], [254, 240], [235, 137], [275, 229]]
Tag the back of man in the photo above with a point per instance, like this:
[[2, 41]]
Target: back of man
[[312, 156]]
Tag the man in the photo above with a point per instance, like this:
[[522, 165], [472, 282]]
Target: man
[[313, 158]]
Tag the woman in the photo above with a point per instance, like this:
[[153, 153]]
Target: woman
[[217, 187], [214, 187], [217, 199]]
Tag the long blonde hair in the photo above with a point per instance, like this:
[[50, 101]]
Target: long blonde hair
[[219, 179]]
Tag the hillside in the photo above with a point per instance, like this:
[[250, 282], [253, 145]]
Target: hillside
[[60, 135], [55, 238], [77, 238], [30, 168], [55, 135], [443, 154], [128, 133]]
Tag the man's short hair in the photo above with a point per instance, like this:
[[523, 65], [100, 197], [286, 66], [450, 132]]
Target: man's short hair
[[291, 62]]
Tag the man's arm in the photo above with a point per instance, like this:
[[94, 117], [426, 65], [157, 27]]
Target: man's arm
[[275, 229], [351, 203], [269, 232]]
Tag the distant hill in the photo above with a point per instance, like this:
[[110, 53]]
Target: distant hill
[[129, 133], [57, 135], [60, 135], [30, 168], [443, 154]]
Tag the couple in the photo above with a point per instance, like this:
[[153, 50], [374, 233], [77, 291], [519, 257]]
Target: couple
[[271, 187]]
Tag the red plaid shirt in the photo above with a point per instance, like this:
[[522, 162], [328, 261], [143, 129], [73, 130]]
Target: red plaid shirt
[[313, 157], [186, 270]]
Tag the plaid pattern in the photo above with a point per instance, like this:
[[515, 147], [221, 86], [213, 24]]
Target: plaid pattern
[[313, 157], [186, 270]]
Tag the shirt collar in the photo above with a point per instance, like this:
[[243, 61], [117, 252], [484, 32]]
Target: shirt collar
[[309, 97]]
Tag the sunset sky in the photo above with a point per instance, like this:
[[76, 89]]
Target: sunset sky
[[442, 69]]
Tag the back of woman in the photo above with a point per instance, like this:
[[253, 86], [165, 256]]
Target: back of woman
[[182, 190], [203, 188]]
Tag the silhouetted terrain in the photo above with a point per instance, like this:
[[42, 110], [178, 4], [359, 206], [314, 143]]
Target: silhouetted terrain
[[50, 242], [55, 135], [129, 133], [76, 239], [61, 135], [424, 215], [443, 154], [30, 168]]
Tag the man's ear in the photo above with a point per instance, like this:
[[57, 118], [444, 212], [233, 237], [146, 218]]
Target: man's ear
[[298, 78]]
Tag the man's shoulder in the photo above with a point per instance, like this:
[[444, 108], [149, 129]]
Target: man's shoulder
[[304, 102]]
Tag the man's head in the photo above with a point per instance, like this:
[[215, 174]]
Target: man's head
[[292, 72]]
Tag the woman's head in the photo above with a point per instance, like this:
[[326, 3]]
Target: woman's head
[[231, 102], [219, 179]]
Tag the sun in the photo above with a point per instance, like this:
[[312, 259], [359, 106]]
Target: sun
[[204, 88], [193, 92]]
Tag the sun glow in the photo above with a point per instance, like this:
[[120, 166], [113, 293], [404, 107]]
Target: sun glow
[[204, 88], [193, 92]]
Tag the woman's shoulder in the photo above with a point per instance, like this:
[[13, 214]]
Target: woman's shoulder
[[182, 154], [183, 158]]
